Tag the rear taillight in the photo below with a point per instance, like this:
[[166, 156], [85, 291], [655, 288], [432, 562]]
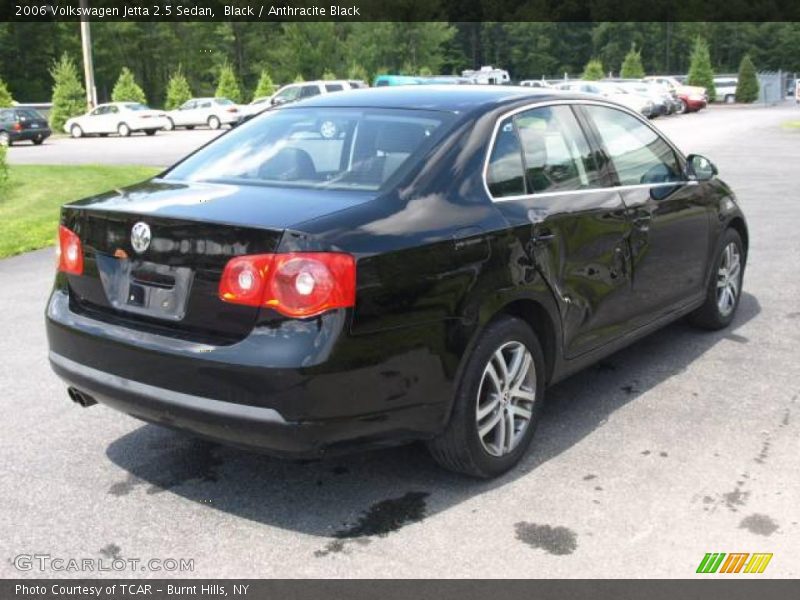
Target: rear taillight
[[296, 284], [17, 127], [70, 252], [232, 110]]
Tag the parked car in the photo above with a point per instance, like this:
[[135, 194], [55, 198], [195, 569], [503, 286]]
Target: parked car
[[611, 91], [375, 267], [18, 124], [308, 89], [692, 98], [123, 118], [726, 89], [535, 83], [662, 99], [199, 112]]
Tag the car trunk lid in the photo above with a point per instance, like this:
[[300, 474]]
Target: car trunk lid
[[170, 283]]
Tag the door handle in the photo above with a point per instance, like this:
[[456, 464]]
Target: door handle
[[543, 237]]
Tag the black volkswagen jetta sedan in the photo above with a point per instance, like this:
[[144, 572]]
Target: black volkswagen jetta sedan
[[374, 267]]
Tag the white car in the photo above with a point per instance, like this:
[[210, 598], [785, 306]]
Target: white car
[[535, 83], [306, 89], [726, 89], [641, 104], [210, 112], [122, 118]]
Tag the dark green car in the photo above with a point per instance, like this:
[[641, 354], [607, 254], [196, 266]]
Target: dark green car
[[18, 124]]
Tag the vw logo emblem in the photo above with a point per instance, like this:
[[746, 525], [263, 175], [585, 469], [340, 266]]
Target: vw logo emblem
[[140, 237]]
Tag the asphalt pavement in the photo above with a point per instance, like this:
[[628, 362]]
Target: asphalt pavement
[[683, 444]]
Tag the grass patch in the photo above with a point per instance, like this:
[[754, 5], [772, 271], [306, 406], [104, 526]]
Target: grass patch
[[791, 125], [30, 201]]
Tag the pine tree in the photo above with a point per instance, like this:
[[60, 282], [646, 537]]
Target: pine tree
[[299, 78], [178, 90], [69, 97], [593, 71], [357, 72], [126, 89], [228, 87], [632, 67], [265, 86], [747, 85], [700, 71], [328, 75], [5, 96]]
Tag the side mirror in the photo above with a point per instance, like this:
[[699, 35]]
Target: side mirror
[[699, 168]]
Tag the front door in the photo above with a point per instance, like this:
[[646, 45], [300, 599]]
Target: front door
[[547, 182], [670, 218]]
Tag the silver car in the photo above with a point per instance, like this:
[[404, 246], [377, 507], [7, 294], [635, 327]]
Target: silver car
[[210, 112]]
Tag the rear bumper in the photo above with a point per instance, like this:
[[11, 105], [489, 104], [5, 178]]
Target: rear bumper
[[29, 134], [245, 396]]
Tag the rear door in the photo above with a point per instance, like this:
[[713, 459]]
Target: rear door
[[669, 214], [553, 189], [183, 115]]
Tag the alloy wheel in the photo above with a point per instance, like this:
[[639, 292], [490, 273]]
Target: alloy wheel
[[728, 279], [506, 396]]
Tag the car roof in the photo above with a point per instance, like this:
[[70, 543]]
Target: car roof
[[446, 98]]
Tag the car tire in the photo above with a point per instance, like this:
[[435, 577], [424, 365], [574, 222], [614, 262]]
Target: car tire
[[170, 126], [214, 122], [76, 131], [681, 107], [123, 130], [5, 139], [38, 141], [150, 131], [730, 99], [461, 447], [725, 288]]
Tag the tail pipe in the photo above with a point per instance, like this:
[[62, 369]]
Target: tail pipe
[[79, 397]]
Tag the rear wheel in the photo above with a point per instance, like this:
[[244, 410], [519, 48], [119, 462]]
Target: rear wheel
[[123, 130], [214, 122], [725, 288], [170, 124], [5, 139], [681, 107], [497, 404], [38, 141], [76, 131], [150, 131]]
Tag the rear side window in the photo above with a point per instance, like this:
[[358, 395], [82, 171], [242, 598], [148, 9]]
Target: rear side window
[[333, 87], [556, 154], [639, 155], [505, 175]]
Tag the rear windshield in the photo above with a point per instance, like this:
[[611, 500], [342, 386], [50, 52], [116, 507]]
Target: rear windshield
[[28, 114], [137, 106], [223, 101], [333, 148]]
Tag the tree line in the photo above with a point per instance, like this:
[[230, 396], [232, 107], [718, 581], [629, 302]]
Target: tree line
[[154, 51]]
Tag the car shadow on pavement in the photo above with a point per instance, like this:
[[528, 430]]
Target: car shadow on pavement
[[349, 498]]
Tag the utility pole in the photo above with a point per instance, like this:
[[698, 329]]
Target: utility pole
[[88, 67]]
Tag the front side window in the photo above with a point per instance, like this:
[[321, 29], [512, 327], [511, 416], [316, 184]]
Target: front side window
[[335, 148], [288, 95], [188, 105], [309, 90], [100, 110], [639, 155], [556, 154]]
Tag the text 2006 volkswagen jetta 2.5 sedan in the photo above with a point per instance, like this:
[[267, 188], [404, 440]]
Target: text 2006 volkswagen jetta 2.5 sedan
[[380, 266]]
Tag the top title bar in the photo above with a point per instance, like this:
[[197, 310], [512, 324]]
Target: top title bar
[[397, 10]]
